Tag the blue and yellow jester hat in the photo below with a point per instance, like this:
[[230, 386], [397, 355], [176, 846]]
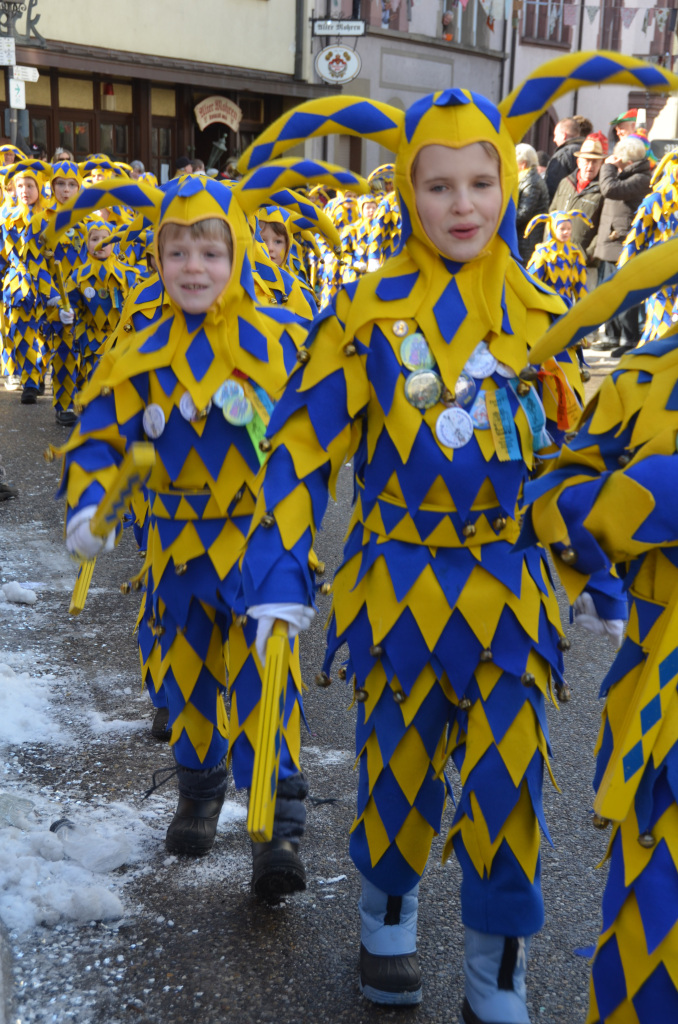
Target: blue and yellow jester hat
[[454, 118], [194, 198], [554, 220], [38, 170], [10, 155], [98, 162], [381, 178]]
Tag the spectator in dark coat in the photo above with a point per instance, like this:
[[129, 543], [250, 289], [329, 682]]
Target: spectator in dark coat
[[533, 198], [568, 139], [624, 182], [581, 191]]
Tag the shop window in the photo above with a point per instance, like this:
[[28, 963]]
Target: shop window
[[39, 131], [113, 140], [74, 135]]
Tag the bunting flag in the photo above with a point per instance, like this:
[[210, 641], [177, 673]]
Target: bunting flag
[[464, 4], [554, 18], [627, 15], [569, 15], [662, 16], [592, 12]]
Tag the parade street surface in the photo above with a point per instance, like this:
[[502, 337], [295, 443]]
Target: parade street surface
[[159, 939]]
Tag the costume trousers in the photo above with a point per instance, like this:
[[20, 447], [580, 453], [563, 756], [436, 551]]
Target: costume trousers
[[65, 368]]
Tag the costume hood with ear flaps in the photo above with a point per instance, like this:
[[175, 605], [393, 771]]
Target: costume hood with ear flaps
[[486, 297], [235, 331]]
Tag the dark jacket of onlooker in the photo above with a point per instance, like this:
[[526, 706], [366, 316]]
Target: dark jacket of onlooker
[[622, 193], [533, 198], [590, 202], [562, 163]]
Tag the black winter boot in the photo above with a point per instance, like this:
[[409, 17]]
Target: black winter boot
[[201, 796], [277, 870]]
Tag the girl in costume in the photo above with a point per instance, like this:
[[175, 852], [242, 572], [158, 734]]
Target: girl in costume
[[355, 240], [610, 498], [96, 293], [199, 384], [453, 635], [11, 379], [557, 261], [28, 288]]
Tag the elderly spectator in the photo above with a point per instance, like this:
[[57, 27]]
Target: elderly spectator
[[624, 182], [568, 138], [137, 169], [581, 191], [533, 198]]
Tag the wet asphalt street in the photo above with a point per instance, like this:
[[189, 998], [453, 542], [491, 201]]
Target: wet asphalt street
[[193, 945]]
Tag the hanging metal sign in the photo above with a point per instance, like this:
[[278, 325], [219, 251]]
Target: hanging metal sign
[[335, 27], [337, 65]]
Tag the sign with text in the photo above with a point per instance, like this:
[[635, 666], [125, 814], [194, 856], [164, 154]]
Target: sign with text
[[7, 51], [23, 74], [335, 27], [218, 110]]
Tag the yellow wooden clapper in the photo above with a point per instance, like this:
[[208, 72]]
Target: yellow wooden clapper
[[269, 736], [633, 746], [132, 475]]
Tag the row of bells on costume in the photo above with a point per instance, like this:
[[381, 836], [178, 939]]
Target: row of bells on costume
[[230, 397], [645, 839]]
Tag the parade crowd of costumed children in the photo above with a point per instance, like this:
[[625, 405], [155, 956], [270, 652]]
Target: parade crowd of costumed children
[[186, 318]]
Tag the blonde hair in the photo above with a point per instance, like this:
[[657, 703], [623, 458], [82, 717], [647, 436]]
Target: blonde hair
[[212, 228], [526, 154]]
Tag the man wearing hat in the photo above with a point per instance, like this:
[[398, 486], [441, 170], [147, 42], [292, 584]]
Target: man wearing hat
[[625, 124], [581, 191]]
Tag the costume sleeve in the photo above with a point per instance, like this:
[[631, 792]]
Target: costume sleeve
[[598, 505], [315, 427]]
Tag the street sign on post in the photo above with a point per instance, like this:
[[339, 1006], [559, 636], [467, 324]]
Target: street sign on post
[[7, 50], [337, 27], [17, 94], [23, 74]]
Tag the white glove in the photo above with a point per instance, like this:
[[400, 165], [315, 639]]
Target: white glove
[[89, 292], [80, 541], [54, 301], [298, 616], [67, 316], [585, 615]]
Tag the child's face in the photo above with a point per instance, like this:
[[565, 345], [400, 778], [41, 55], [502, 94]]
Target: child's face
[[97, 175], [93, 240], [369, 210], [195, 270], [563, 231], [27, 191], [274, 243], [64, 189], [458, 195]]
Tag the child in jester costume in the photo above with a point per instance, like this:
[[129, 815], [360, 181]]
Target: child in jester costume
[[610, 498], [453, 635], [557, 261], [198, 383]]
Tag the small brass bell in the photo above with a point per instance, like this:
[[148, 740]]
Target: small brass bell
[[599, 822], [265, 445], [361, 696], [584, 374], [125, 588], [469, 529], [624, 460], [48, 455], [529, 373], [523, 388], [181, 568], [137, 585], [105, 391], [326, 588], [486, 654], [320, 569], [564, 644], [267, 520], [527, 679], [568, 556], [342, 673], [499, 523], [240, 620], [376, 650], [128, 328], [303, 355], [322, 679], [646, 840], [447, 397], [464, 704], [570, 435], [350, 349], [399, 697]]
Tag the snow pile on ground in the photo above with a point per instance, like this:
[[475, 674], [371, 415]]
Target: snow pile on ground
[[25, 713], [16, 594]]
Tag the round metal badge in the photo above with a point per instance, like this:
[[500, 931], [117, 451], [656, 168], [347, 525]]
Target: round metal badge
[[102, 293], [238, 410], [481, 363], [423, 389], [465, 390], [454, 427], [400, 328], [229, 389], [153, 421], [187, 407], [478, 412], [415, 353]]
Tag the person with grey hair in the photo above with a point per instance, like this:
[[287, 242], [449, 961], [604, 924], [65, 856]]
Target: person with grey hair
[[533, 198], [137, 169], [624, 182]]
